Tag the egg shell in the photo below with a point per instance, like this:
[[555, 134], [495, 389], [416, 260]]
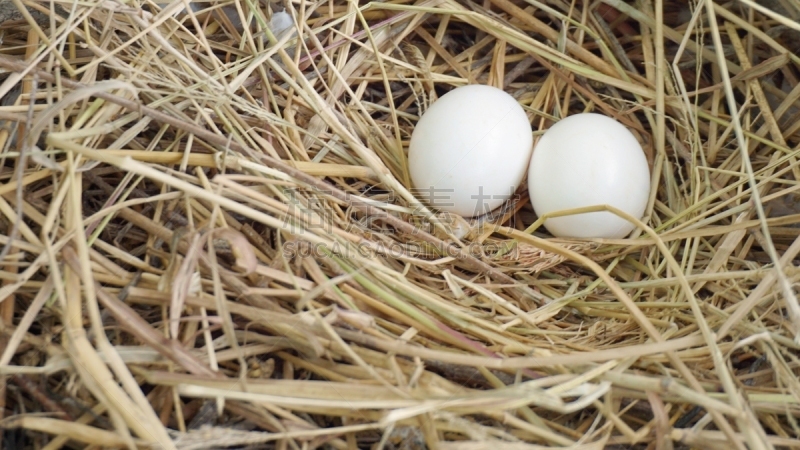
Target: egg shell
[[470, 150], [584, 160]]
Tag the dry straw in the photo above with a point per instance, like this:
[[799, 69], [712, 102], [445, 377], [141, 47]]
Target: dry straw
[[210, 239]]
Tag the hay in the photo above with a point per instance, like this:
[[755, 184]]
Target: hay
[[210, 238]]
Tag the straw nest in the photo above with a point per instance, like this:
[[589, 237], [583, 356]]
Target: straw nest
[[210, 238]]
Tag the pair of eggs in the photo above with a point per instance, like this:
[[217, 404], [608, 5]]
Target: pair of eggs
[[471, 149]]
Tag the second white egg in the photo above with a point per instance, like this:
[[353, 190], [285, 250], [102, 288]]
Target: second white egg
[[589, 160], [470, 150]]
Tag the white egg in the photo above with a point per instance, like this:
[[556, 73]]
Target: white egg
[[586, 160], [470, 150]]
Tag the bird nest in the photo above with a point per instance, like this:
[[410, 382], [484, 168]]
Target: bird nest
[[210, 238]]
